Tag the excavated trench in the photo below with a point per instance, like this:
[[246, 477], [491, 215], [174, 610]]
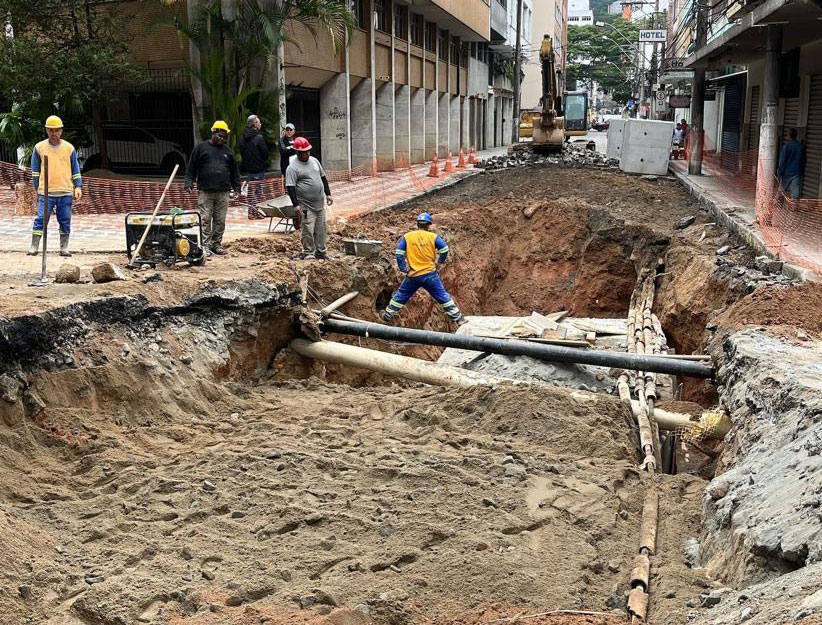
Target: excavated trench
[[177, 463]]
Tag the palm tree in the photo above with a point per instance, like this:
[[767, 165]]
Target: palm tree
[[234, 43]]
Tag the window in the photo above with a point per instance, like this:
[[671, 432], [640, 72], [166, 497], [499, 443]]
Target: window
[[416, 30], [358, 13], [473, 49], [455, 51], [444, 45], [503, 3], [400, 21], [430, 36], [464, 50], [380, 18]]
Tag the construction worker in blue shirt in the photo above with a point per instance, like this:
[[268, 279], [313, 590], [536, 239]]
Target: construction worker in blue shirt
[[65, 184], [420, 253]]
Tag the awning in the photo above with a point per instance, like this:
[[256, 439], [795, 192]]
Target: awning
[[720, 80]]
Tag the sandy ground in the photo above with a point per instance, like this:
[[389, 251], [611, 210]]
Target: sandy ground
[[150, 490]]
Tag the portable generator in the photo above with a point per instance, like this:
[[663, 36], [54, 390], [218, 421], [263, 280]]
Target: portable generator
[[173, 237]]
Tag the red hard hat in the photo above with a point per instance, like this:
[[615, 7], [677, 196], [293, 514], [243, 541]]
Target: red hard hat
[[301, 144]]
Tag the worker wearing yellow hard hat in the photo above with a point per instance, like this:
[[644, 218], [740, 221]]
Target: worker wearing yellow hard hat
[[213, 167], [64, 183]]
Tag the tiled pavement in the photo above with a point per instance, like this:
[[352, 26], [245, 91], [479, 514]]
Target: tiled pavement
[[105, 233]]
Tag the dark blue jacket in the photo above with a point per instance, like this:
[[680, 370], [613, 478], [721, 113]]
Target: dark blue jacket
[[791, 159]]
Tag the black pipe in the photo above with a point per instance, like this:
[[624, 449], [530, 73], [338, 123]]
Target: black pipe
[[513, 347]]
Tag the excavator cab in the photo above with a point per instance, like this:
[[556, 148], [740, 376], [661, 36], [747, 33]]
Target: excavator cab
[[576, 113]]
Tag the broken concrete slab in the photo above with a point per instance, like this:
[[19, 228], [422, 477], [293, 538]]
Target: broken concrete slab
[[108, 272], [67, 274]]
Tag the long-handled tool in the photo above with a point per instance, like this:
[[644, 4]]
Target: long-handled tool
[[44, 278], [153, 215]]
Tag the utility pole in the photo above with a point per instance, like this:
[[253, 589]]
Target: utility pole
[[696, 134], [654, 63], [517, 57], [768, 139]]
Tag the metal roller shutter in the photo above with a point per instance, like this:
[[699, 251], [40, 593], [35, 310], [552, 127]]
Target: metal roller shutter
[[791, 119], [753, 134], [813, 141], [732, 121]]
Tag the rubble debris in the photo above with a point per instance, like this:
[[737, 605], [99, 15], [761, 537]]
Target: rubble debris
[[523, 155], [107, 272], [683, 223], [67, 274]]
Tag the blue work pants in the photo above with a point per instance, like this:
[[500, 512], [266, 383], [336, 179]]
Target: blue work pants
[[430, 282], [62, 205]]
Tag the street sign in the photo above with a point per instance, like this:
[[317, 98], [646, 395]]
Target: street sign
[[660, 95], [652, 36], [631, 104], [679, 101]]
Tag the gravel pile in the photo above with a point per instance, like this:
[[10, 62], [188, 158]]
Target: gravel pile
[[572, 155]]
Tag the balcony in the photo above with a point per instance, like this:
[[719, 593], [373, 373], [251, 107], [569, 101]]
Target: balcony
[[467, 19]]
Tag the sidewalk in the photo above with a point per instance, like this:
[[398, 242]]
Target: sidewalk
[[106, 233], [734, 208]]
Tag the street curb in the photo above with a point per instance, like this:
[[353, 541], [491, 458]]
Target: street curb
[[718, 210]]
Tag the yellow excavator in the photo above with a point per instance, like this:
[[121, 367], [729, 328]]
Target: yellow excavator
[[559, 116]]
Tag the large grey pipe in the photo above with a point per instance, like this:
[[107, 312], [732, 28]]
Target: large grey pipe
[[551, 353]]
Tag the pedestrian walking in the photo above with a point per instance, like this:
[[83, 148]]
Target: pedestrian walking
[[213, 167], [286, 147], [306, 184], [791, 166], [254, 151], [64, 184], [420, 254]]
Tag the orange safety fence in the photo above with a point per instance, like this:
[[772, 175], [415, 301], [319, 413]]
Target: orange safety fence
[[374, 184], [792, 229]]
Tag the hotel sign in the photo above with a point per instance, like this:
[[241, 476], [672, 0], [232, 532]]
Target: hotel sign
[[652, 36]]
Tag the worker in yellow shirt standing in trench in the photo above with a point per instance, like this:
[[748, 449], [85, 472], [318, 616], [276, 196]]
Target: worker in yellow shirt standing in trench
[[63, 184]]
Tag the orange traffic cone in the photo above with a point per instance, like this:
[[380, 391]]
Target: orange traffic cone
[[472, 159], [461, 160], [449, 165], [434, 172]]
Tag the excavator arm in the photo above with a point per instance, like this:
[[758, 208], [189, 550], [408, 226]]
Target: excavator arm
[[549, 129]]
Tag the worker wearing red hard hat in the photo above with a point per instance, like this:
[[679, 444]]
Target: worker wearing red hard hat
[[308, 189]]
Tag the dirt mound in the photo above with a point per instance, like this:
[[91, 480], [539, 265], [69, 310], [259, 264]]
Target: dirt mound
[[799, 306], [418, 504]]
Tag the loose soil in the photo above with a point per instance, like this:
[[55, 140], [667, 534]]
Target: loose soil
[[173, 463]]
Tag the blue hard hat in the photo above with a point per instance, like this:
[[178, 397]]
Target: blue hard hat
[[425, 218]]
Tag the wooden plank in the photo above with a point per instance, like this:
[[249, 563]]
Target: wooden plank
[[565, 343]]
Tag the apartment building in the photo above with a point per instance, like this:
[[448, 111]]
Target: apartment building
[[412, 81], [550, 17], [399, 92], [580, 13]]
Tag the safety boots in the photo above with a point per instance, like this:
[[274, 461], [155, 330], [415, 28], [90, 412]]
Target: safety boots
[[64, 239], [35, 245]]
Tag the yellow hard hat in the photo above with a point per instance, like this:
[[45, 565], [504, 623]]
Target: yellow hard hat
[[220, 125], [54, 122]]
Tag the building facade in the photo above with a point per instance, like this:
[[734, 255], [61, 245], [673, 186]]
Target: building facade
[[580, 13], [550, 17], [763, 63], [412, 81]]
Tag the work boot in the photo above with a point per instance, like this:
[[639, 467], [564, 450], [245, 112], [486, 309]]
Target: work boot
[[64, 239], [461, 322], [320, 255], [35, 245], [218, 249], [385, 318]]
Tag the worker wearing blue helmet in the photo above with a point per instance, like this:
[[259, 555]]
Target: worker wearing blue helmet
[[420, 253]]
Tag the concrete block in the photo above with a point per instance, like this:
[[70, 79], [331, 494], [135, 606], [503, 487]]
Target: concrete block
[[646, 146], [402, 120], [362, 124], [418, 125]]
